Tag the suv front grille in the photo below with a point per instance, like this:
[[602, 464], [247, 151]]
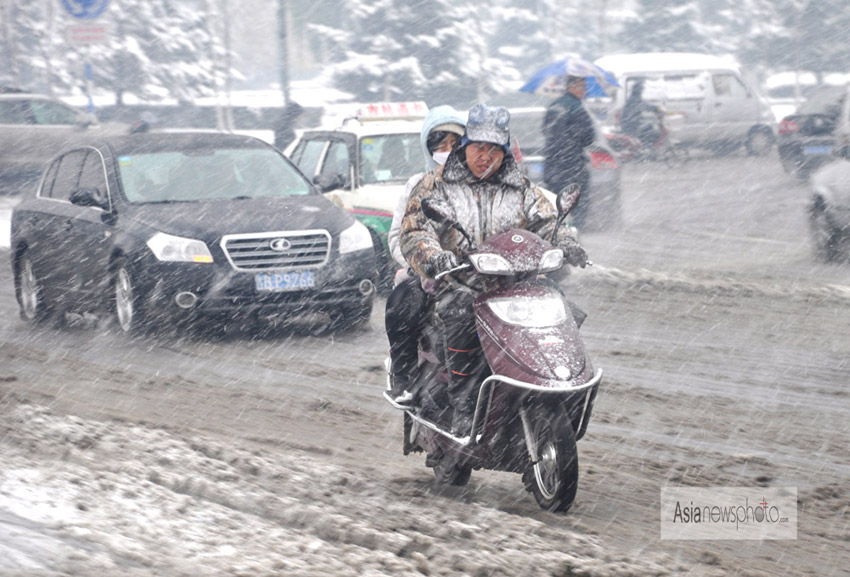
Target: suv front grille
[[266, 251]]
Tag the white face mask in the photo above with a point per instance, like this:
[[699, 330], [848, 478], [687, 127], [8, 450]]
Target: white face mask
[[440, 157]]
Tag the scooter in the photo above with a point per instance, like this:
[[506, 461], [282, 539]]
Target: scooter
[[538, 386], [662, 148]]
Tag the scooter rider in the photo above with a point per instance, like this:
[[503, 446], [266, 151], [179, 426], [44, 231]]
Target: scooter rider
[[633, 119], [442, 130], [489, 194]]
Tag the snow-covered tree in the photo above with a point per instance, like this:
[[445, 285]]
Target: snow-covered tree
[[665, 26], [171, 48]]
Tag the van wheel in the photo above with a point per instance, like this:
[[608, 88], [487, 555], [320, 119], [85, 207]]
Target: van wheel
[[759, 141]]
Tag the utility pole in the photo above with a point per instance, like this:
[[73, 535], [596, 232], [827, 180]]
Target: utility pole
[[283, 48], [8, 43]]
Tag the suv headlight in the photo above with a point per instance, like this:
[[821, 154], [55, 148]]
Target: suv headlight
[[355, 237], [169, 248]]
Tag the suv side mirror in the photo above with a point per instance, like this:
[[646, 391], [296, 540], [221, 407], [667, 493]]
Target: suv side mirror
[[88, 196], [329, 182]]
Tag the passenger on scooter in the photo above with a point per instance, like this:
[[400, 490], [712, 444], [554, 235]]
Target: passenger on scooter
[[489, 194], [442, 129], [640, 119]]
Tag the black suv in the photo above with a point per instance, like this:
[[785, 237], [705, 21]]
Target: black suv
[[163, 227], [806, 137]]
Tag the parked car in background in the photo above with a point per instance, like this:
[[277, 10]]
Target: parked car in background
[[829, 209], [601, 208], [806, 138], [720, 109], [33, 128], [158, 228], [363, 165]]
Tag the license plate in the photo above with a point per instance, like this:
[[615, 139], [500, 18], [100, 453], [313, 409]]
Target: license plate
[[817, 150], [285, 281]]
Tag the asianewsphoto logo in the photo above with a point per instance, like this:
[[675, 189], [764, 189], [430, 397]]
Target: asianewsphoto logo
[[729, 513]]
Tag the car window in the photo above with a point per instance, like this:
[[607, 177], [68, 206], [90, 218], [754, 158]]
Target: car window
[[46, 112], [728, 86], [49, 179], [390, 157], [68, 175], [176, 176], [826, 100], [94, 173], [337, 162], [671, 87], [15, 112], [307, 154]]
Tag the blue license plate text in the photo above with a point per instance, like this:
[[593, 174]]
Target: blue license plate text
[[285, 281]]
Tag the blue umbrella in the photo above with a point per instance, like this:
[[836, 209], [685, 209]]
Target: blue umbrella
[[550, 79]]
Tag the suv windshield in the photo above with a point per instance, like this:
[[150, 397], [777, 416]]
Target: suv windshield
[[390, 158], [220, 174]]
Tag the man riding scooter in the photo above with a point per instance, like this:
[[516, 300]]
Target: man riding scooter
[[489, 194]]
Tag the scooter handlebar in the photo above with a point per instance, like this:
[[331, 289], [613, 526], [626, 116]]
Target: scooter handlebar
[[458, 268]]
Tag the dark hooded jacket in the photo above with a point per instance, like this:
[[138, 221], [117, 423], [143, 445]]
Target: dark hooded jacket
[[505, 200], [568, 129]]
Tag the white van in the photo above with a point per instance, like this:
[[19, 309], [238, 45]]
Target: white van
[[716, 106]]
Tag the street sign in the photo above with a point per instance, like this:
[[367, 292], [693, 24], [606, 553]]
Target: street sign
[[85, 9], [87, 33]]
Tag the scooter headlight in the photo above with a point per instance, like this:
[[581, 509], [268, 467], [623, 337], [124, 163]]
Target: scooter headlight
[[552, 259], [530, 312], [488, 263]]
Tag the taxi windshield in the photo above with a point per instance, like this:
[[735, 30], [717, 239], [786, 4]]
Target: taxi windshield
[[181, 176], [390, 158]]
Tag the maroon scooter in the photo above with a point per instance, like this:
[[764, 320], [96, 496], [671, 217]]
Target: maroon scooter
[[537, 387]]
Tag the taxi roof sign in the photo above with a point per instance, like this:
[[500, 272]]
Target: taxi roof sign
[[393, 111]]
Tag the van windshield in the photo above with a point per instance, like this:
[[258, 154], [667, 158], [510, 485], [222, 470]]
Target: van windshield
[[671, 87]]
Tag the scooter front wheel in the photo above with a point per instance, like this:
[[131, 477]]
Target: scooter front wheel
[[553, 478]]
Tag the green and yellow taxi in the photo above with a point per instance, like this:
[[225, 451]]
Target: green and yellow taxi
[[364, 163]]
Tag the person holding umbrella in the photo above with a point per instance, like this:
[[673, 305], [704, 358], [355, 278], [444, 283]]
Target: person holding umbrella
[[569, 129]]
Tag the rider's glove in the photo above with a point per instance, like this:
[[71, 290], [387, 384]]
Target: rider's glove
[[441, 262], [574, 253]]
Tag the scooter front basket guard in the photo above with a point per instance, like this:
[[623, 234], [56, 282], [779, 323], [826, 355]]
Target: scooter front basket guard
[[483, 398]]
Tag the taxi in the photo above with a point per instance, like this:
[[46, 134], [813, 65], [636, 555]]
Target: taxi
[[364, 164]]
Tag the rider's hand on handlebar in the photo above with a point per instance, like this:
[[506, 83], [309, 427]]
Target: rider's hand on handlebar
[[442, 261], [574, 253]]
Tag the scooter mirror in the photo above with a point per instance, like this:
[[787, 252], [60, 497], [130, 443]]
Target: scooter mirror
[[438, 210], [567, 198]]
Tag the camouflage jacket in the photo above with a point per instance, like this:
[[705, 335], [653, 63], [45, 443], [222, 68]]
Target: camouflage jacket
[[483, 208]]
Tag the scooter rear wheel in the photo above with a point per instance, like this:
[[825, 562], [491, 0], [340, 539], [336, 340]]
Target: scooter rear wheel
[[553, 479]]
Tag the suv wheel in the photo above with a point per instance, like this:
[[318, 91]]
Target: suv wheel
[[127, 303], [33, 308]]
